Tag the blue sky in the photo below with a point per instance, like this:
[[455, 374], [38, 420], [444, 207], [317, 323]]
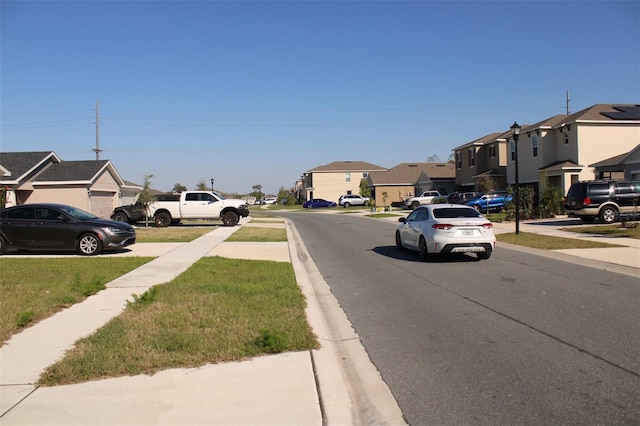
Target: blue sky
[[259, 92]]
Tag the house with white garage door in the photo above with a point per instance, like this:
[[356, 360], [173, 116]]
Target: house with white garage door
[[42, 177]]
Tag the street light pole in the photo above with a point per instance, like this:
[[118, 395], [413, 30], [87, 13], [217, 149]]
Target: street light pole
[[211, 185], [515, 131]]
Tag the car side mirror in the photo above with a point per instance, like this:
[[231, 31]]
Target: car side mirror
[[402, 220]]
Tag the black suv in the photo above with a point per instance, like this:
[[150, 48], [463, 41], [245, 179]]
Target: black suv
[[606, 200]]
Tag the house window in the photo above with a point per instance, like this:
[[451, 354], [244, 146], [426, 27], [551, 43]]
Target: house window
[[459, 160], [472, 157], [534, 146], [512, 146], [492, 151], [365, 175], [566, 138], [347, 177]]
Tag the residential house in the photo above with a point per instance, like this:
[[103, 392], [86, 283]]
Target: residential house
[[332, 180], [393, 186], [557, 151], [620, 167], [481, 165], [31, 177]]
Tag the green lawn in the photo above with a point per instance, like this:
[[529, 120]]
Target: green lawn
[[32, 289], [218, 310]]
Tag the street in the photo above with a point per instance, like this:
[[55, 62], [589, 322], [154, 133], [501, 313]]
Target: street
[[517, 339]]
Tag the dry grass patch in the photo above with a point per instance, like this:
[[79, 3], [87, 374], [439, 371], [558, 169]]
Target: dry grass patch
[[258, 234], [546, 242], [171, 233]]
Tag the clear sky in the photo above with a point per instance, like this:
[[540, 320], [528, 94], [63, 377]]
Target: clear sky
[[256, 93]]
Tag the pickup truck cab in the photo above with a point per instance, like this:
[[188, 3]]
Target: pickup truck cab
[[188, 205], [426, 197]]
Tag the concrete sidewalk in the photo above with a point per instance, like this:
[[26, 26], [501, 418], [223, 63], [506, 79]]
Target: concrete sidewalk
[[296, 388]]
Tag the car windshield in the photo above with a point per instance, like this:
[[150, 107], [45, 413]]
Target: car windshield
[[454, 212], [219, 196], [77, 213]]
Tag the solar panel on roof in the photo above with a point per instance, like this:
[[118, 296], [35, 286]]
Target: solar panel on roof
[[624, 113]]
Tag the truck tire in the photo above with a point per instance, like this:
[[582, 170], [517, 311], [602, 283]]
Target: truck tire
[[608, 214], [415, 205], [162, 219], [230, 218], [120, 217]]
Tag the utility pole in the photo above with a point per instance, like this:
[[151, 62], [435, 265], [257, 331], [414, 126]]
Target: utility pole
[[97, 149], [567, 104]]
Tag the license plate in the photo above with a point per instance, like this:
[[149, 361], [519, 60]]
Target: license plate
[[467, 232]]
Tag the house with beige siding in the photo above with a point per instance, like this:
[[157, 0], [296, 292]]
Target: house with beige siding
[[557, 151], [561, 150], [393, 186], [42, 177], [481, 163], [332, 180]]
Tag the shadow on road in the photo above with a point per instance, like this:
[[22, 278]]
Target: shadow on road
[[411, 256]]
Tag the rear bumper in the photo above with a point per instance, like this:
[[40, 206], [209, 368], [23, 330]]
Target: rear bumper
[[467, 248]]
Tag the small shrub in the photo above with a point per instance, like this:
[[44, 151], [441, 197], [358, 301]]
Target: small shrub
[[24, 318], [144, 299], [271, 342]]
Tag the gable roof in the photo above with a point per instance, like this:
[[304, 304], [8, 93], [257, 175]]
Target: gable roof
[[79, 172], [619, 159], [491, 137], [347, 166], [409, 173], [19, 165]]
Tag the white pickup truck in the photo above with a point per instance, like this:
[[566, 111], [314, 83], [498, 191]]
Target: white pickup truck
[[425, 198], [188, 205]]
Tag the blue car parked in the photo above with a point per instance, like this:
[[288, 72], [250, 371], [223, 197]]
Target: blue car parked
[[493, 201], [318, 202]]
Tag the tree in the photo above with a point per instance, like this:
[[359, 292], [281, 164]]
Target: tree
[[257, 192], [202, 186], [433, 159], [365, 191], [145, 197], [178, 188]]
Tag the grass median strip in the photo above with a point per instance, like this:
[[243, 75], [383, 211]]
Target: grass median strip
[[218, 310], [547, 242], [32, 289]]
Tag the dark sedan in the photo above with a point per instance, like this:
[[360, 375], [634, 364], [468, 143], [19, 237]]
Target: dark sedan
[[318, 202], [62, 228]]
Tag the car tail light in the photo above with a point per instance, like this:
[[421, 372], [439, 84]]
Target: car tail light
[[487, 225], [442, 226], [586, 201]]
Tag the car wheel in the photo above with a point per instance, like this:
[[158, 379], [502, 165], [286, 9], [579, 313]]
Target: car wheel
[[399, 241], [415, 205], [367, 203], [347, 204], [162, 219], [608, 214], [120, 217], [484, 256], [477, 207], [423, 252], [89, 245], [230, 219], [3, 246]]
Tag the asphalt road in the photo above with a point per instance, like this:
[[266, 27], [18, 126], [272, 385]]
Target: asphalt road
[[516, 339]]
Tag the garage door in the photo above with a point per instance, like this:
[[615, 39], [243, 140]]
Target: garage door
[[102, 203]]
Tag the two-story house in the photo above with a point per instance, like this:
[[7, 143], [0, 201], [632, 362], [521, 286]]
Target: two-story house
[[332, 180], [557, 151]]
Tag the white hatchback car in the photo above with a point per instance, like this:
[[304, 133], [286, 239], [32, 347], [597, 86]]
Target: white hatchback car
[[446, 228]]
